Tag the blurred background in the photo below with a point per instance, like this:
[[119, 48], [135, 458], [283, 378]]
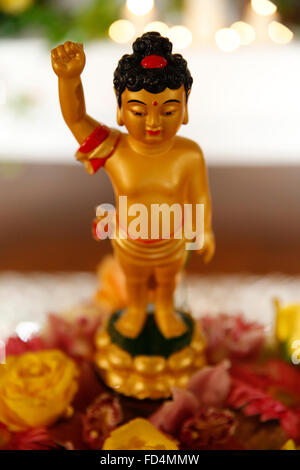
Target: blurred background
[[244, 112]]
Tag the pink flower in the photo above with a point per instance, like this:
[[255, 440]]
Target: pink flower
[[74, 336], [207, 388], [211, 385], [170, 416], [15, 346], [102, 416], [210, 428], [232, 337]]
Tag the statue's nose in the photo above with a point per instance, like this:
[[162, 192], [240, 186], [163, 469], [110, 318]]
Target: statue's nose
[[153, 120]]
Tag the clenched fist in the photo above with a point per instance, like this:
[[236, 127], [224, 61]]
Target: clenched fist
[[68, 60]]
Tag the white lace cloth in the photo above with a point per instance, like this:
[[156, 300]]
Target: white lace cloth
[[25, 299]]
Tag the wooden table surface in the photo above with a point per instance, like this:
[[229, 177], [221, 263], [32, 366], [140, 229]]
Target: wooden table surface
[[46, 213]]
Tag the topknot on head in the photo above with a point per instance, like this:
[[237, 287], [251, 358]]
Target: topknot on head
[[152, 67], [152, 44]]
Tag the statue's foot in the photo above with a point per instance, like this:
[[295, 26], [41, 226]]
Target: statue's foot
[[170, 324], [131, 322]]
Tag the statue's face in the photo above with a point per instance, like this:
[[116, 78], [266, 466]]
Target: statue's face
[[153, 118]]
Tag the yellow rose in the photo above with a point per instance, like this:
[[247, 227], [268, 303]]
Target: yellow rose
[[36, 389], [289, 445], [138, 434]]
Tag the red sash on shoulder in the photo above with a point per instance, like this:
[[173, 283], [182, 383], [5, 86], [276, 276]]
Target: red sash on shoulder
[[98, 147]]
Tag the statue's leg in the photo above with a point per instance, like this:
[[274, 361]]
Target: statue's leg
[[169, 323], [131, 323]]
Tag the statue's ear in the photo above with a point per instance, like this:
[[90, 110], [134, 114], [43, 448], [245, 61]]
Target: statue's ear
[[186, 112], [119, 116], [119, 112], [186, 115]]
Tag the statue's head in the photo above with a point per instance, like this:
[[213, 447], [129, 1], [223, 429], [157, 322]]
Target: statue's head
[[152, 86]]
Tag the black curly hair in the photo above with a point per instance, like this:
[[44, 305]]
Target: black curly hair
[[132, 75]]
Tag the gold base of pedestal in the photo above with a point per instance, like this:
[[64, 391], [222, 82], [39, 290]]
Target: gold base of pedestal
[[147, 377]]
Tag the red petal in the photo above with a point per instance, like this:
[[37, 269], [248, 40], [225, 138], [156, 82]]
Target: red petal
[[15, 346]]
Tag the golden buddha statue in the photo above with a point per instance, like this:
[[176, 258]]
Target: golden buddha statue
[[150, 166]]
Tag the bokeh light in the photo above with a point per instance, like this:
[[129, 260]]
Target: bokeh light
[[180, 36], [15, 7], [264, 7], [227, 39], [158, 26], [121, 31], [140, 7], [246, 32], [280, 33]]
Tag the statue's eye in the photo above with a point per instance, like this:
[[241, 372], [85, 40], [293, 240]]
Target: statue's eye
[[138, 113], [169, 113]]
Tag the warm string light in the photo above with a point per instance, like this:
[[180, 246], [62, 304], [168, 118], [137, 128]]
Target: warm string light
[[158, 26], [121, 31], [227, 39], [180, 36], [280, 33], [246, 32], [264, 7], [140, 7]]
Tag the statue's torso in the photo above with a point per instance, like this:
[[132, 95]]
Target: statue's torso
[[152, 179]]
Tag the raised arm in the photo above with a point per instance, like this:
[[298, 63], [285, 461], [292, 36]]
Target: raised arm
[[199, 194], [68, 61]]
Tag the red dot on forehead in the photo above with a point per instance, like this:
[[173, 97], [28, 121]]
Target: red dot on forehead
[[155, 103]]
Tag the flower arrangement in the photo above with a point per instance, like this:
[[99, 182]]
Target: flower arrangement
[[247, 397]]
